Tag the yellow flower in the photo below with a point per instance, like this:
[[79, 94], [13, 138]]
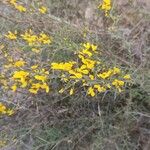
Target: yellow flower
[[14, 87], [46, 87], [89, 63], [11, 36], [71, 91], [62, 66], [105, 75], [29, 37], [34, 67], [116, 70], [42, 9], [61, 90], [20, 8], [91, 77], [91, 92], [89, 49], [46, 72], [4, 82], [127, 77], [35, 50], [84, 83], [20, 74], [40, 77], [10, 112], [82, 69], [63, 78], [21, 77], [2, 108], [99, 88], [106, 6], [36, 87], [13, 2], [118, 83], [19, 63], [34, 91], [86, 52], [23, 82], [45, 39], [94, 47], [8, 66], [87, 45], [108, 86], [75, 74]]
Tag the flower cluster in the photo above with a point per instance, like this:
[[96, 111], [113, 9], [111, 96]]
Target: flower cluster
[[22, 72], [11, 36], [106, 6], [86, 71], [33, 40], [22, 76], [34, 80], [89, 72], [21, 8], [5, 111]]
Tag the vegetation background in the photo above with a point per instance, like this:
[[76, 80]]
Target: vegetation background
[[64, 122]]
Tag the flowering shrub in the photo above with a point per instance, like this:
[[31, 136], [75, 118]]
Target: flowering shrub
[[89, 72], [28, 72], [18, 70], [64, 68], [86, 70]]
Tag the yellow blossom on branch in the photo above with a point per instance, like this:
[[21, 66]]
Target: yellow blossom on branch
[[29, 37], [10, 112], [2, 108], [40, 77], [5, 111], [105, 75], [45, 39], [34, 67], [19, 63], [62, 66], [99, 88], [127, 77], [42, 9], [106, 6], [71, 91], [91, 92], [13, 2], [11, 36], [14, 87], [20, 8], [118, 84], [20, 74], [36, 50]]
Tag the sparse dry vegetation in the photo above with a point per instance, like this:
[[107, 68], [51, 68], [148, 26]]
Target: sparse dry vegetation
[[74, 75]]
